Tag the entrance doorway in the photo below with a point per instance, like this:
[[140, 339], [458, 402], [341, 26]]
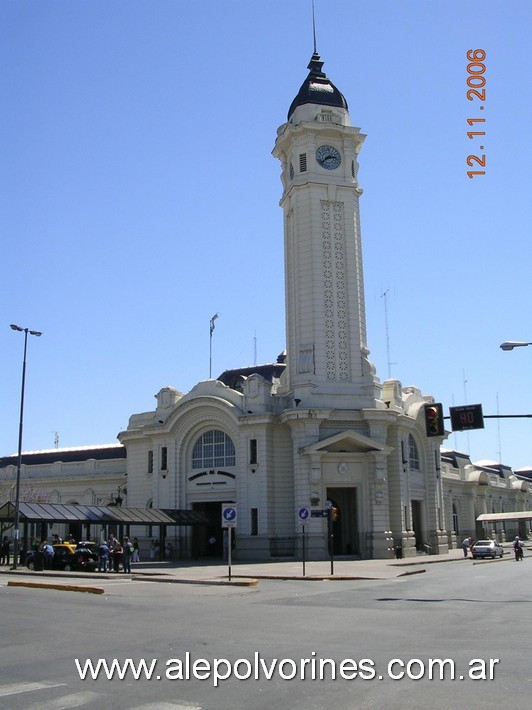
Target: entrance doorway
[[207, 540], [346, 538]]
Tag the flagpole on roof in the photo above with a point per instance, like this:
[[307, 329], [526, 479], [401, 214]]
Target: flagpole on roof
[[211, 329]]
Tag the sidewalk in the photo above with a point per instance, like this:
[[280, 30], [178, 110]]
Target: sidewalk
[[215, 572], [195, 572]]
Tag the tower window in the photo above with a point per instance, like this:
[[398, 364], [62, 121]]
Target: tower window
[[254, 521], [302, 162], [329, 117], [353, 168], [164, 458], [252, 451], [413, 454], [150, 461]]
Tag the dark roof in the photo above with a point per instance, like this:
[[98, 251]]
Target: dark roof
[[34, 458], [317, 89], [453, 457], [51, 512], [233, 378]]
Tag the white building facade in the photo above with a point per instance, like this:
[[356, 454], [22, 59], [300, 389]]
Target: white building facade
[[323, 432]]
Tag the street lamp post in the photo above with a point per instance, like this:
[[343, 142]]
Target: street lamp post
[[19, 459], [511, 344], [211, 330]]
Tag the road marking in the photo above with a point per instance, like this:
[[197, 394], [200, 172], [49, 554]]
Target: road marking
[[73, 700], [15, 688]]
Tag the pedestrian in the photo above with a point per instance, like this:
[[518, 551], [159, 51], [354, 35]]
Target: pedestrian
[[48, 554], [466, 545], [103, 557], [117, 557], [136, 550], [518, 549], [169, 551], [6, 546], [155, 550], [127, 554], [112, 544]]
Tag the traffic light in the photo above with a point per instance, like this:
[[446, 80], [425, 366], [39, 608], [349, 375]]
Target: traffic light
[[434, 420]]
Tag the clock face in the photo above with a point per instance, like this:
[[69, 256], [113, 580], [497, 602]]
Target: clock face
[[328, 157]]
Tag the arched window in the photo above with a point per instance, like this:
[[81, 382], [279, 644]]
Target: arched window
[[413, 454], [214, 449]]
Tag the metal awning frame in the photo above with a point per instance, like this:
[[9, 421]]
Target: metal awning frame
[[92, 514], [503, 517]]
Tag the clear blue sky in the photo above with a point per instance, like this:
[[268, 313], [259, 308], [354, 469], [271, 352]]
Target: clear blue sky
[[139, 197]]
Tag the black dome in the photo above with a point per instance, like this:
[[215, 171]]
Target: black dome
[[317, 89]]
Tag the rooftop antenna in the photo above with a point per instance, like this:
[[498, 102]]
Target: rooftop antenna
[[465, 398], [383, 296], [56, 439], [499, 430], [314, 27], [255, 348]]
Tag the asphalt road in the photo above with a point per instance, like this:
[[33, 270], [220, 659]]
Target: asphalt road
[[458, 611]]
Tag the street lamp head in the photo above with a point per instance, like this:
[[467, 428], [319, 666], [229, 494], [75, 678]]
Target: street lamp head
[[38, 333], [511, 344]]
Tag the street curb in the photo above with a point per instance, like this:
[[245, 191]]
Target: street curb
[[334, 577], [243, 582], [59, 587]]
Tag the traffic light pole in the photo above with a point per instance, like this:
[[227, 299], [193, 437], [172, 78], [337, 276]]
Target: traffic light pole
[[304, 549], [331, 538]]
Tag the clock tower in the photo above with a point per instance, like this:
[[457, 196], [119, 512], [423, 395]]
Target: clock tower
[[327, 354]]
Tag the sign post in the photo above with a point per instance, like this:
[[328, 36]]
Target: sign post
[[229, 518], [330, 533], [303, 515]]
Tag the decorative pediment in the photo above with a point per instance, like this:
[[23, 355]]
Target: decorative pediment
[[350, 442]]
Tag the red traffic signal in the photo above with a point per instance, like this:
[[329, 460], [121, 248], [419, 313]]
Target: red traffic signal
[[434, 420]]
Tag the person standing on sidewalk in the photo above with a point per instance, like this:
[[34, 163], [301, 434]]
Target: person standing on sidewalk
[[127, 555], [136, 550], [6, 546], [466, 545], [48, 554], [103, 557]]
